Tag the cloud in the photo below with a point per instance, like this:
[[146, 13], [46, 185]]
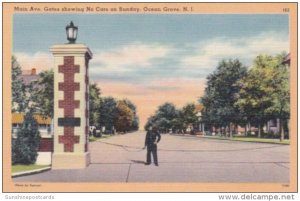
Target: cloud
[[150, 74], [140, 63], [125, 58], [207, 54], [39, 60]]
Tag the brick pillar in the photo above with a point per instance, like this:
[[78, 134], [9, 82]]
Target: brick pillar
[[71, 119]]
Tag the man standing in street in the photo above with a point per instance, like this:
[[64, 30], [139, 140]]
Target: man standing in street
[[152, 138]]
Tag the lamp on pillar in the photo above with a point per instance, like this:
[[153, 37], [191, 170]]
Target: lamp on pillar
[[71, 103], [71, 31]]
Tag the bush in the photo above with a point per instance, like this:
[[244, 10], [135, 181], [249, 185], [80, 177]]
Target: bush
[[25, 145]]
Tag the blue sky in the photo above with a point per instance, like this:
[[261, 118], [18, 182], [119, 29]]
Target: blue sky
[[37, 32], [178, 33], [146, 54]]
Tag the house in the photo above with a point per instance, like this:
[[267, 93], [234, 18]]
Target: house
[[201, 126], [29, 76], [45, 125], [46, 133]]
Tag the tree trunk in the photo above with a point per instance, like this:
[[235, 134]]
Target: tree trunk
[[259, 131], [250, 131], [287, 127], [281, 130], [230, 130]]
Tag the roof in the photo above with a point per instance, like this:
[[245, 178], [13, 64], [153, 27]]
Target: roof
[[287, 59], [18, 118], [29, 75], [42, 119], [29, 78]]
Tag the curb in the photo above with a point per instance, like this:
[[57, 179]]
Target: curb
[[215, 138], [30, 172]]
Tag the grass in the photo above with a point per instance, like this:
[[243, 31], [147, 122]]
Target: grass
[[253, 139], [22, 168], [94, 139]]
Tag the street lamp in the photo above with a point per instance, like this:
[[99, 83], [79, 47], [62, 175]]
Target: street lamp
[[71, 31]]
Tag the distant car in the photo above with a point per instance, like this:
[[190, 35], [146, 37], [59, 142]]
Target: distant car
[[92, 130]]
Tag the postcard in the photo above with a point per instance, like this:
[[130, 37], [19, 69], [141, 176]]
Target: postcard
[[150, 97]]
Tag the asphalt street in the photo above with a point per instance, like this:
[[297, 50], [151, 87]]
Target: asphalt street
[[181, 158]]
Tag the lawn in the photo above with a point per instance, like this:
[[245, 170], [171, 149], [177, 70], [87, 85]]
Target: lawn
[[22, 168], [252, 139], [93, 139]]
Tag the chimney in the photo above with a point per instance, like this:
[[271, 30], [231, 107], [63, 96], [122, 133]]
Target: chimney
[[33, 71]]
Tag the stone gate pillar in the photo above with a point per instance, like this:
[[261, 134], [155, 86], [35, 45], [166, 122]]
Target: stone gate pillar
[[71, 112]]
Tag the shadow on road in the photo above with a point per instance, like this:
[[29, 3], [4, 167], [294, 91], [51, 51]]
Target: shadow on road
[[138, 162]]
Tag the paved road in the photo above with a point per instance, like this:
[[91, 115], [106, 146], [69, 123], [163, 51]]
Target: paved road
[[181, 159]]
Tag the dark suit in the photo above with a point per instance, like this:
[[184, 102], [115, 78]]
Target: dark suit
[[151, 137]]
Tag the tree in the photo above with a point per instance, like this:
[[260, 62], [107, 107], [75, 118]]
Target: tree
[[94, 104], [253, 98], [19, 100], [43, 93], [124, 117], [108, 113], [281, 93], [25, 145], [164, 118], [135, 121], [264, 92], [189, 115], [178, 124], [167, 110], [220, 94]]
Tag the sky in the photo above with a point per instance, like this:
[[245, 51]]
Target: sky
[[151, 59]]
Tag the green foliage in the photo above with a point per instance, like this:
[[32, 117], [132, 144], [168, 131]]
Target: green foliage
[[120, 115], [124, 117], [108, 112], [25, 145], [189, 115], [150, 122], [220, 94], [280, 89], [264, 93], [168, 117], [134, 125], [234, 95], [43, 93], [94, 104], [19, 101], [253, 97], [163, 117]]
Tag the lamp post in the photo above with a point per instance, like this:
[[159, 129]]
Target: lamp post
[[71, 31]]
